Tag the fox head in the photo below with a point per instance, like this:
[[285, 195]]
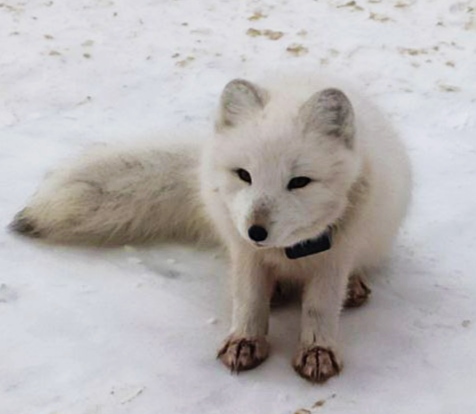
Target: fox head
[[282, 169]]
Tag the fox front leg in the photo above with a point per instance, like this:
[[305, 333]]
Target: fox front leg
[[246, 347], [317, 358]]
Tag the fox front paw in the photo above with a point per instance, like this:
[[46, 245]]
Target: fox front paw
[[316, 363], [241, 354], [357, 292]]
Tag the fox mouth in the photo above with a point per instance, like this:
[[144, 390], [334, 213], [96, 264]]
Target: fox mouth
[[261, 245]]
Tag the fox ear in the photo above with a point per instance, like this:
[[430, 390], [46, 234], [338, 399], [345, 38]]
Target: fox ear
[[329, 112], [239, 99]]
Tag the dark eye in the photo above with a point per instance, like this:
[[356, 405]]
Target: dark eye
[[298, 182], [244, 175]]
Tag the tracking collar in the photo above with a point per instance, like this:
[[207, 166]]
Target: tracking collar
[[308, 247]]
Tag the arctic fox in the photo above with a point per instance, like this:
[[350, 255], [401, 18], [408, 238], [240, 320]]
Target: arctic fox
[[299, 181]]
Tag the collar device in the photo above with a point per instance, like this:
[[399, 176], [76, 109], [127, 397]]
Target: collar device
[[308, 247]]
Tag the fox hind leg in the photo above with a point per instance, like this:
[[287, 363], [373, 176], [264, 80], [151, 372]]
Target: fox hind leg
[[358, 291]]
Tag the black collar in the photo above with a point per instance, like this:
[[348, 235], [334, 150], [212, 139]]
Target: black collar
[[307, 247]]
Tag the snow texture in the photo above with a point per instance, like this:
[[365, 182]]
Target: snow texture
[[134, 330]]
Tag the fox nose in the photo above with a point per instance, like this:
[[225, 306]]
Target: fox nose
[[257, 233]]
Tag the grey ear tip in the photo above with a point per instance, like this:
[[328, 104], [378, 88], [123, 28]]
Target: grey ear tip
[[239, 99], [334, 99], [238, 80], [329, 112], [334, 93], [238, 83]]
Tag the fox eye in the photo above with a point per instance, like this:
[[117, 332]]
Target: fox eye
[[298, 182], [243, 175]]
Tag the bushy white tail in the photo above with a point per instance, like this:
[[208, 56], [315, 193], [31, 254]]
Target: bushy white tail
[[120, 196]]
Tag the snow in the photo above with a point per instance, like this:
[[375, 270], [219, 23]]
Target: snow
[[134, 330]]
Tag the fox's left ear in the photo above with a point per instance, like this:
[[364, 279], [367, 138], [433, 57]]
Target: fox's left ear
[[239, 100], [329, 112]]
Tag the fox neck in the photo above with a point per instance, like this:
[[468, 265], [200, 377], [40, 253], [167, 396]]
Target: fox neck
[[323, 242], [312, 246]]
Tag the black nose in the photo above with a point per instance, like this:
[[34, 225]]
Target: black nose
[[257, 233]]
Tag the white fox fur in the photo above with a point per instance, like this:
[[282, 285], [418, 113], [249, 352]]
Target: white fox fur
[[357, 183]]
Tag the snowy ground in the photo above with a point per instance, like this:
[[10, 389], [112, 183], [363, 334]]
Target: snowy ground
[[135, 330]]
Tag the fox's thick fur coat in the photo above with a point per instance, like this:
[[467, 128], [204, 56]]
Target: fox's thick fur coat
[[290, 159]]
